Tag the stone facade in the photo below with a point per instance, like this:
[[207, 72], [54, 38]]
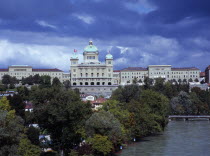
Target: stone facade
[[127, 75], [23, 71], [91, 76]]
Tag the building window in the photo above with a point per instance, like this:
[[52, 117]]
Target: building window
[[86, 83], [103, 83], [81, 83], [92, 83], [91, 57], [98, 83], [91, 74], [109, 83], [109, 62], [74, 84]]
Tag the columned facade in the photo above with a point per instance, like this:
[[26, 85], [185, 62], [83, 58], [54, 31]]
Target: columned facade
[[92, 76]]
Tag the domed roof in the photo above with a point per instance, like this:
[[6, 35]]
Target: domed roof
[[91, 48], [109, 56]]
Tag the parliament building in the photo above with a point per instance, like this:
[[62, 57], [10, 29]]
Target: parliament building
[[98, 78], [92, 76]]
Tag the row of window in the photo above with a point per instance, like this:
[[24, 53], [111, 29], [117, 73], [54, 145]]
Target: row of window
[[91, 83], [91, 57], [140, 73]]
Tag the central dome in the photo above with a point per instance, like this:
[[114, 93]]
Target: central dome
[[91, 48]]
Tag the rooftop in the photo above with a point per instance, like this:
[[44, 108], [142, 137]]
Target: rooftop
[[134, 68], [185, 68]]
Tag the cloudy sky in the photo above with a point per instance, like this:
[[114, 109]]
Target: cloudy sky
[[44, 33]]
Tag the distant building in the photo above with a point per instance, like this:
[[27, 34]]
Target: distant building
[[127, 75], [23, 71], [207, 75], [91, 76]]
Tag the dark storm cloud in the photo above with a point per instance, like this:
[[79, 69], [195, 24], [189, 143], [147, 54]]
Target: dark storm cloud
[[138, 32]]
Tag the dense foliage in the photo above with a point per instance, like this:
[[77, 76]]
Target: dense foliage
[[131, 113]]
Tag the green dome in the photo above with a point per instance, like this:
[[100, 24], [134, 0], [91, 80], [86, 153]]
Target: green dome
[[91, 48], [109, 56]]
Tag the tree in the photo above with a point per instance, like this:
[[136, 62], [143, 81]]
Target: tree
[[11, 128], [181, 104], [16, 103], [185, 81], [45, 81], [101, 144], [23, 92], [64, 113], [122, 114], [140, 81], [180, 81], [27, 149], [33, 135], [3, 87], [196, 80], [6, 79], [36, 79], [67, 84], [159, 84], [190, 80], [28, 80], [56, 82], [104, 123], [135, 80], [198, 107], [169, 91], [126, 93], [148, 83]]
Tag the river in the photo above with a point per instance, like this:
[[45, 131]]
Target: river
[[180, 138]]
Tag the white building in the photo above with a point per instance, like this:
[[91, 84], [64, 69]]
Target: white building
[[127, 75], [91, 76], [23, 71]]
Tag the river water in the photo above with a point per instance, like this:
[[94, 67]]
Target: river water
[[180, 138]]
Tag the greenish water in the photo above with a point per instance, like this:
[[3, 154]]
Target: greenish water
[[180, 138]]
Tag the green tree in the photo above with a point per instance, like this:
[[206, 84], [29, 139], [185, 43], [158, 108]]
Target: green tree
[[56, 82], [16, 103], [159, 84], [33, 135], [126, 93], [36, 79], [45, 81], [104, 123], [11, 128], [6, 79], [148, 83], [101, 144], [67, 84], [64, 113], [23, 92], [27, 149], [181, 104]]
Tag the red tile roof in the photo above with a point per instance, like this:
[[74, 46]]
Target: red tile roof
[[185, 68], [117, 70], [134, 68], [47, 70], [99, 101], [28, 105], [202, 74]]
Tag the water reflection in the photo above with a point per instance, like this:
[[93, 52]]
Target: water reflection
[[180, 138]]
